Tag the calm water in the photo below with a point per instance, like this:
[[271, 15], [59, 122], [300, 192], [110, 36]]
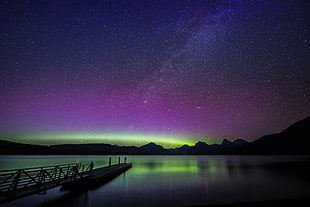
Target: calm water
[[178, 180]]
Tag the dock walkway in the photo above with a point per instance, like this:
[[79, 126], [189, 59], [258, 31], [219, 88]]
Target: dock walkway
[[98, 176], [19, 183]]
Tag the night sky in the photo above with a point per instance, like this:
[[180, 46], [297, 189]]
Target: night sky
[[172, 72]]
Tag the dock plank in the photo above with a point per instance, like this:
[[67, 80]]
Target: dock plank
[[97, 177], [82, 181]]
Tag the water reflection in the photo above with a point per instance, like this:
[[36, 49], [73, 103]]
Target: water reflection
[[181, 180], [70, 199]]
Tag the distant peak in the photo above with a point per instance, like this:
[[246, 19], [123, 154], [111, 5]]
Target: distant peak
[[151, 143], [183, 147], [200, 143], [240, 141], [226, 141]]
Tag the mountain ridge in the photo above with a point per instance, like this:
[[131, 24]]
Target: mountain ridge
[[283, 142]]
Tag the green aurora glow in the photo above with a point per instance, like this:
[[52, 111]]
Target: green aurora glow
[[108, 138]]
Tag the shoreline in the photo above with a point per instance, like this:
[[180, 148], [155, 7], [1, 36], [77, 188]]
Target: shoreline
[[298, 202]]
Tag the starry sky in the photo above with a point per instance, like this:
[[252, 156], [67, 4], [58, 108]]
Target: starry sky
[[172, 72]]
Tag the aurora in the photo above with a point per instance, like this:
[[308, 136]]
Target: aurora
[[117, 139], [169, 72]]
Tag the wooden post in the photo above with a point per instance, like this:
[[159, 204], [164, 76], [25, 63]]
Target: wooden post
[[59, 173], [56, 171], [68, 171], [110, 159], [16, 179], [119, 160], [44, 186], [40, 177]]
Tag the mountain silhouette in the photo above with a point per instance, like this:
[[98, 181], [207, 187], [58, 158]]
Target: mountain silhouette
[[240, 141], [226, 142], [184, 150], [152, 148], [11, 148], [293, 140]]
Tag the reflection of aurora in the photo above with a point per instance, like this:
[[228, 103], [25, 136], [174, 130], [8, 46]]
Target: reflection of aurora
[[180, 180], [183, 164], [178, 172]]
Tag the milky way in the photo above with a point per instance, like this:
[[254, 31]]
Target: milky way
[[172, 72]]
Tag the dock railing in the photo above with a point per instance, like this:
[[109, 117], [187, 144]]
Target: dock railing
[[39, 178]]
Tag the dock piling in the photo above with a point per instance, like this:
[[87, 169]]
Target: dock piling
[[17, 183]]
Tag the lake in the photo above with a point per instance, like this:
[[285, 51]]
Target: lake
[[177, 180]]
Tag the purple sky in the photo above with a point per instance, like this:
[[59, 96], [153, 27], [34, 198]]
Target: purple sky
[[201, 70]]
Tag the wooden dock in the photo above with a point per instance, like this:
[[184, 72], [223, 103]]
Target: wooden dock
[[97, 177], [19, 183]]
